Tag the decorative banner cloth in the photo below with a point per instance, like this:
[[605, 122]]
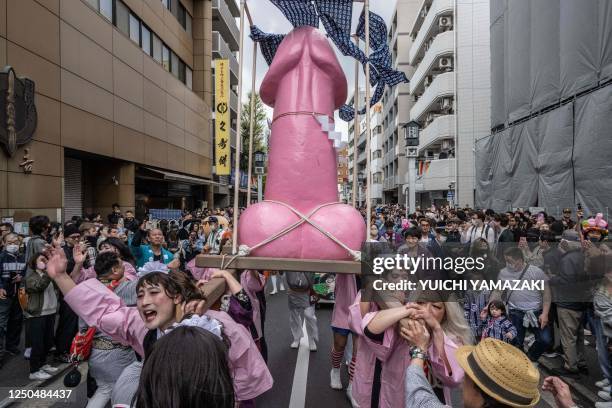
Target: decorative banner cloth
[[299, 12], [267, 42]]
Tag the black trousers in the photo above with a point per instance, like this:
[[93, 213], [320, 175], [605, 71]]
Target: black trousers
[[11, 322], [41, 337], [67, 327]]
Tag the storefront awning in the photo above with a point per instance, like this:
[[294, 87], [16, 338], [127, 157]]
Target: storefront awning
[[170, 176]]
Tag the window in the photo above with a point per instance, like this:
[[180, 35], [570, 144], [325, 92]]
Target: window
[[174, 8], [146, 39], [174, 64], [122, 18], [166, 4], [189, 78], [157, 49], [181, 15], [94, 4], [188, 23], [166, 58], [181, 71], [134, 29], [106, 9]]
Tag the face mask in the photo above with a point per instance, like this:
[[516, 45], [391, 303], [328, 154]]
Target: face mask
[[510, 267], [12, 248], [442, 239], [41, 266]]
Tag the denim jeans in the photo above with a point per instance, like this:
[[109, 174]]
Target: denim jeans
[[543, 337]]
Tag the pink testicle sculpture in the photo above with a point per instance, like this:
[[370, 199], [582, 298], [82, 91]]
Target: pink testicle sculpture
[[305, 76]]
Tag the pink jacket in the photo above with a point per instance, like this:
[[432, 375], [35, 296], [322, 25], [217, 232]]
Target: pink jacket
[[345, 292], [251, 286], [394, 355], [199, 273], [89, 273], [100, 307]]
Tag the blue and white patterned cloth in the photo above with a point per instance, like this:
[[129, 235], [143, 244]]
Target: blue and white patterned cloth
[[165, 214], [336, 18], [299, 12], [268, 43]]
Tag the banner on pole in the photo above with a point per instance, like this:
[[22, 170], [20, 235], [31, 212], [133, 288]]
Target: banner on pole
[[222, 118]]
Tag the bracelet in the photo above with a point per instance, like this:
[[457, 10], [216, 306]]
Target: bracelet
[[416, 352]]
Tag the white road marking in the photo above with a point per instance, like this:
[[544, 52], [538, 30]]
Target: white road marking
[[300, 375]]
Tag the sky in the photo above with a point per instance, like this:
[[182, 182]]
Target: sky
[[270, 20]]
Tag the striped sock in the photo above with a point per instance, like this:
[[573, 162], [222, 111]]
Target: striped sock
[[351, 368], [336, 358]]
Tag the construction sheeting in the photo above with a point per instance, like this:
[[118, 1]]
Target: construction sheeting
[[545, 51], [554, 160]]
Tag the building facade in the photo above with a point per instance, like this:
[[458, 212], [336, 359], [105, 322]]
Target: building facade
[[225, 44], [123, 99], [376, 167], [451, 92], [396, 105]]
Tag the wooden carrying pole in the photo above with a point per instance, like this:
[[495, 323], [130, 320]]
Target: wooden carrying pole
[[238, 136], [366, 6], [252, 113], [356, 127], [279, 264]]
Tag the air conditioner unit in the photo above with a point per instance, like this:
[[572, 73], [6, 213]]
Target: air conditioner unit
[[446, 63], [446, 104], [446, 22], [428, 80], [430, 118]]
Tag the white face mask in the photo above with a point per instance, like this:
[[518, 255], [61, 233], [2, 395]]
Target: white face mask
[[12, 248]]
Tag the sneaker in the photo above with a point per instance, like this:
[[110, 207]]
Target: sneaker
[[586, 342], [552, 354], [27, 352], [604, 395], [274, 292], [587, 332], [312, 345], [349, 395], [607, 404], [295, 344], [63, 358], [40, 375], [606, 388], [281, 286], [603, 383], [49, 369], [335, 381]]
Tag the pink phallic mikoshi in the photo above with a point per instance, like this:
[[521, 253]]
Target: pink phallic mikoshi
[[305, 76]]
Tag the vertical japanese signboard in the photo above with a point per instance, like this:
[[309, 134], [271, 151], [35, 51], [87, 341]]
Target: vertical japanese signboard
[[222, 118]]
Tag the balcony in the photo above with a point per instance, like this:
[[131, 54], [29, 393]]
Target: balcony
[[234, 102], [442, 86], [221, 50], [420, 17], [225, 23], [376, 165], [443, 45], [429, 28], [389, 183], [361, 158], [377, 190], [438, 175], [442, 128], [233, 7]]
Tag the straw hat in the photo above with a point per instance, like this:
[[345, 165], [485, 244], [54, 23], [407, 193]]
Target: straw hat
[[501, 371]]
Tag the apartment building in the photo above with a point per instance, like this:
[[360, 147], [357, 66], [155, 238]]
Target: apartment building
[[225, 45], [123, 101], [396, 105], [376, 161], [451, 90]]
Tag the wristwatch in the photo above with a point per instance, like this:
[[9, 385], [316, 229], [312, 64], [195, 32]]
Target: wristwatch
[[416, 352]]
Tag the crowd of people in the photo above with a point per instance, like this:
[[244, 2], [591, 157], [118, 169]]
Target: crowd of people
[[133, 290]]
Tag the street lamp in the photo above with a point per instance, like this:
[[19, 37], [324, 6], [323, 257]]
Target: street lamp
[[411, 135], [260, 158]]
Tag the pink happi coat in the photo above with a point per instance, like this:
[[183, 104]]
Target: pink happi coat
[[100, 307], [394, 354], [345, 291], [129, 272]]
